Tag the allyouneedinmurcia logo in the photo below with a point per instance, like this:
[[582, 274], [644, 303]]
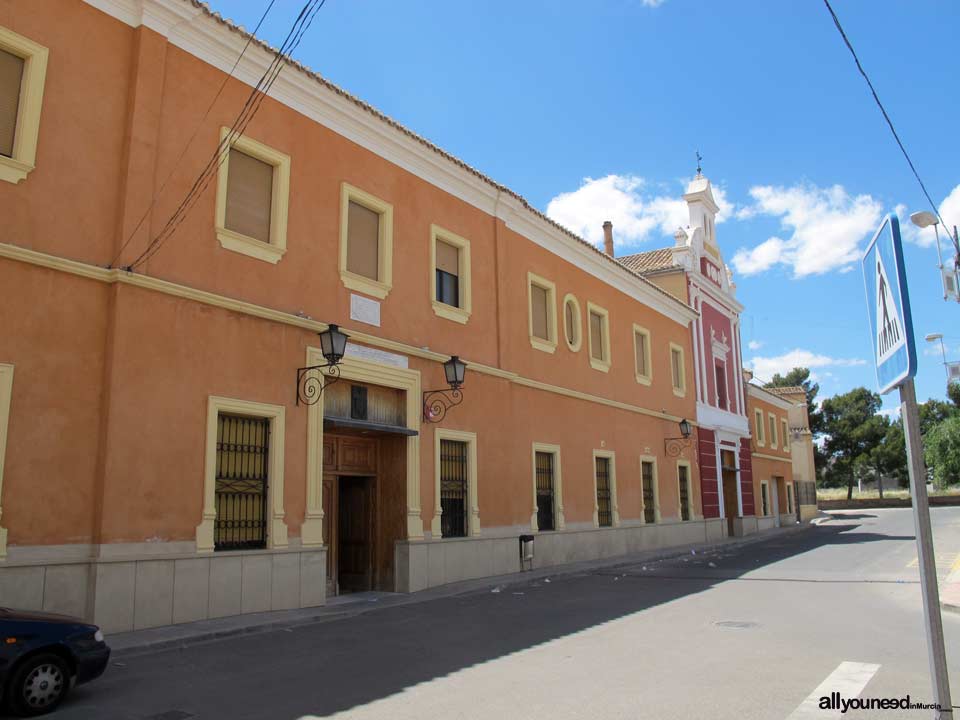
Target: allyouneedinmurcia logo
[[834, 701]]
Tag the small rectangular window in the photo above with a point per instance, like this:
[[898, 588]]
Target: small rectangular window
[[453, 488], [538, 307], [785, 433], [789, 498], [363, 241], [677, 370], [758, 427], [721, 377], [545, 491], [570, 322], [649, 492], [773, 430], [11, 77], [604, 495], [243, 446], [448, 274], [596, 336], [683, 478], [641, 351], [764, 503], [249, 196]]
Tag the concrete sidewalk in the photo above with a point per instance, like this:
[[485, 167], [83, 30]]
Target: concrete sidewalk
[[177, 636]]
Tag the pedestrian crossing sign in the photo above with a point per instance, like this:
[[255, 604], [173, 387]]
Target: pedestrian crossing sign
[[888, 307]]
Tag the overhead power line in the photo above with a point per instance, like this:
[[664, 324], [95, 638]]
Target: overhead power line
[[876, 98], [247, 112], [196, 130]]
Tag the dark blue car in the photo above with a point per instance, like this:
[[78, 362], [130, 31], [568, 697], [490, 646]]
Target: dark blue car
[[43, 655]]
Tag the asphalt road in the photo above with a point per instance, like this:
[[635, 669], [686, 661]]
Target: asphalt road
[[746, 633]]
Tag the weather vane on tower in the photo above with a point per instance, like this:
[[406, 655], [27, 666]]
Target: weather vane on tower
[[699, 159]]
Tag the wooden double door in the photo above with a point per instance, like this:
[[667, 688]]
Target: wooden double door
[[349, 508]]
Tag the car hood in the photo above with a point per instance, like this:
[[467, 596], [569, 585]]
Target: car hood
[[36, 616]]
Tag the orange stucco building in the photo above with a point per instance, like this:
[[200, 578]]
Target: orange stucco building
[[156, 465]]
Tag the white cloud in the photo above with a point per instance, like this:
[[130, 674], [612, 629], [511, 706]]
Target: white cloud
[[892, 413], [627, 201], [826, 228], [754, 344], [927, 237], [766, 367], [651, 3]]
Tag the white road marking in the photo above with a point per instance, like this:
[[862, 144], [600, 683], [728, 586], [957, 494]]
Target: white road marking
[[849, 679]]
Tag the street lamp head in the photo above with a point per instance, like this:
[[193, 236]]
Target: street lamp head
[[454, 370], [685, 429], [933, 337], [923, 219], [333, 344]]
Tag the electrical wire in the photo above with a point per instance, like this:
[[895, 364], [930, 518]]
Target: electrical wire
[[245, 116], [836, 21], [196, 131]]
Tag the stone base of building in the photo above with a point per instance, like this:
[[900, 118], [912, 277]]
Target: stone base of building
[[808, 512], [746, 526], [424, 564], [121, 592]]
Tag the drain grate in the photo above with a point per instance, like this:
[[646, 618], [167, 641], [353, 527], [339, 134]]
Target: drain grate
[[171, 715], [736, 624]]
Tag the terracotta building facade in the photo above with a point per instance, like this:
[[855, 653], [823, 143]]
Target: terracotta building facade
[[160, 459]]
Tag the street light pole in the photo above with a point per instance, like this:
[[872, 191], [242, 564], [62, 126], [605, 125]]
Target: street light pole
[[933, 337]]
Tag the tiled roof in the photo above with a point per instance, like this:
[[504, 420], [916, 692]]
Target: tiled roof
[[791, 390], [233, 27], [660, 259]]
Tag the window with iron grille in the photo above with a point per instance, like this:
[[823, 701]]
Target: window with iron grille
[[764, 505], [683, 477], [453, 488], [243, 447], [545, 494], [649, 494], [604, 499]]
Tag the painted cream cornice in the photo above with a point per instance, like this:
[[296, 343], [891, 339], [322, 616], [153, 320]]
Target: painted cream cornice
[[772, 457], [93, 272], [761, 394], [215, 43]]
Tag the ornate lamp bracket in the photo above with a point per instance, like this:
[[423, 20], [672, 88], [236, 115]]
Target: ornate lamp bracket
[[674, 447], [437, 402], [310, 384]]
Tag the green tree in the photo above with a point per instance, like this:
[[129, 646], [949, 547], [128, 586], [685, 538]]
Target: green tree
[[942, 451], [888, 457], [800, 377], [933, 412], [953, 392], [853, 429]]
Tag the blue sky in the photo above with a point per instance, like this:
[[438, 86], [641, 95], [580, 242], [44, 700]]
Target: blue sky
[[594, 111]]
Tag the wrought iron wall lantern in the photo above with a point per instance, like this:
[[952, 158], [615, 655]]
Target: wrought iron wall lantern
[[437, 402], [675, 446], [310, 385]]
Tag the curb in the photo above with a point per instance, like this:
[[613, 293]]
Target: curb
[[328, 613]]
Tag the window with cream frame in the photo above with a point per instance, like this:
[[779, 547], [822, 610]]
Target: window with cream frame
[[678, 371], [276, 522], [764, 498], [761, 435], [773, 430], [469, 439], [685, 488], [572, 325], [598, 336], [608, 462], [23, 72], [542, 313], [253, 198], [642, 355], [366, 242], [649, 490], [6, 392], [557, 479], [785, 434], [450, 287]]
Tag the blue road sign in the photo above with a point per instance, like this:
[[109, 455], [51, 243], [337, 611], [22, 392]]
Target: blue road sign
[[888, 307]]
